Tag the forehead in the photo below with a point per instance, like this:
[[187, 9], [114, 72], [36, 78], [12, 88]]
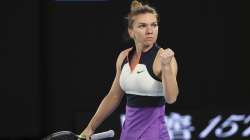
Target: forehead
[[145, 18]]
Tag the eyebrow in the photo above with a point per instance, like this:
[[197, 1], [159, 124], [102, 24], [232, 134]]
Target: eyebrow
[[143, 23]]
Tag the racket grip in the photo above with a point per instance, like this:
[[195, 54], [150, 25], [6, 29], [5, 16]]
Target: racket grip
[[103, 135]]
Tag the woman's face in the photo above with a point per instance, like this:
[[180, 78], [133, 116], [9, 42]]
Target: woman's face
[[145, 29]]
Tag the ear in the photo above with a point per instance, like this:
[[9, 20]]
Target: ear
[[130, 32]]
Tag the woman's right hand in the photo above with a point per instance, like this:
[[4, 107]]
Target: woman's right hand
[[87, 133]]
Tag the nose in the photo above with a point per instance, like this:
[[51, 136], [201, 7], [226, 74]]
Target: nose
[[149, 30]]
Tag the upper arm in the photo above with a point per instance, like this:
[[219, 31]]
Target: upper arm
[[116, 90]]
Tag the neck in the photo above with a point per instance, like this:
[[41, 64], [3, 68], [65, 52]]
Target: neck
[[142, 48]]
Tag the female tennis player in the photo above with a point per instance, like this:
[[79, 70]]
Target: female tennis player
[[146, 75]]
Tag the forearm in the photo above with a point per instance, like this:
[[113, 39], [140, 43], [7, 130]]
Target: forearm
[[170, 85], [107, 106]]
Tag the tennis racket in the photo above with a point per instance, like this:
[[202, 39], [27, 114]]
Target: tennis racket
[[68, 135]]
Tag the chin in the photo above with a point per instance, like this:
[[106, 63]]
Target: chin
[[149, 43]]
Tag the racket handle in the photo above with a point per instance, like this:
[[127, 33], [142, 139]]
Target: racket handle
[[103, 135]]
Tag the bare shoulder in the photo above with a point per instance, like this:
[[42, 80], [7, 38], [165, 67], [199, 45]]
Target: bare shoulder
[[123, 54], [158, 54]]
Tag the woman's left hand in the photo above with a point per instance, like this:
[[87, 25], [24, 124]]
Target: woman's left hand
[[166, 57]]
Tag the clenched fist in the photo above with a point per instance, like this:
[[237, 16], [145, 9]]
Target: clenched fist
[[166, 57]]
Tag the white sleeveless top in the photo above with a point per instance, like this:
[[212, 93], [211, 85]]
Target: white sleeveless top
[[141, 81]]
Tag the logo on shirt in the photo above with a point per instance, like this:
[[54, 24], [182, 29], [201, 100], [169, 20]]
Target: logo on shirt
[[140, 71]]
